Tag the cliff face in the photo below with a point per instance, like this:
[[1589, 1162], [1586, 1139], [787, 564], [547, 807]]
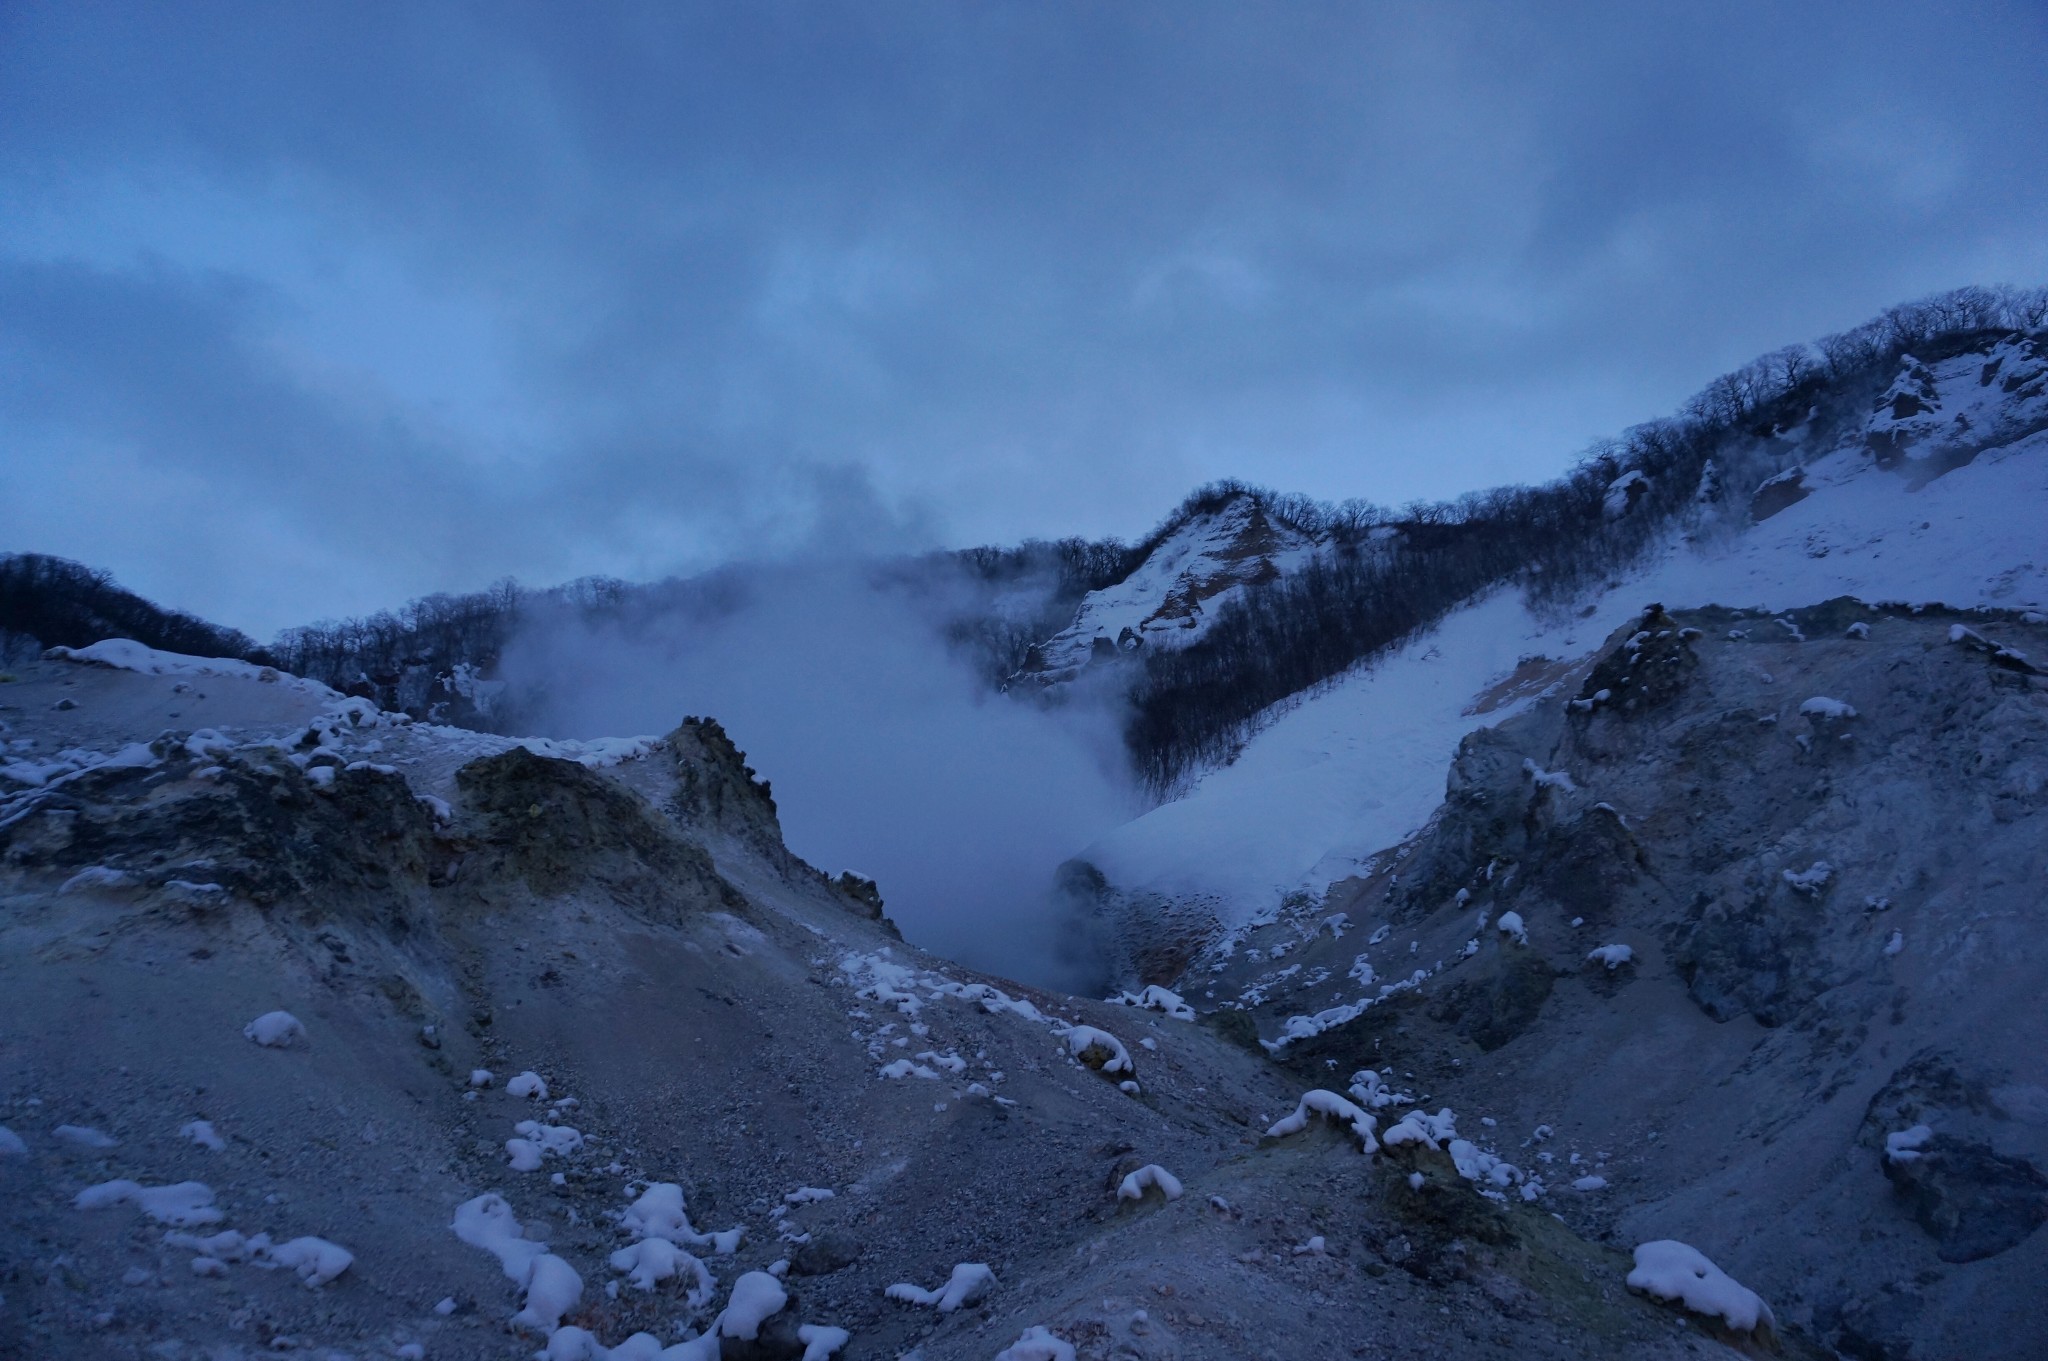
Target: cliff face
[[1820, 835]]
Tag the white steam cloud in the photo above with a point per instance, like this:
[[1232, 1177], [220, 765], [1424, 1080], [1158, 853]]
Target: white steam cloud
[[888, 754]]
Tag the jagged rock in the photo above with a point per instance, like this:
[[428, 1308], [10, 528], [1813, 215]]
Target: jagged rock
[[865, 893], [1646, 670], [1778, 493], [547, 824], [714, 783]]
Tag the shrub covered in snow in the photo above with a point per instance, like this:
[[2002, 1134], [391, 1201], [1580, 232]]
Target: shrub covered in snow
[[1673, 1271], [659, 1212], [1613, 956], [552, 1289], [552, 1286], [651, 1261], [1098, 1049], [1419, 1127], [1335, 1108]]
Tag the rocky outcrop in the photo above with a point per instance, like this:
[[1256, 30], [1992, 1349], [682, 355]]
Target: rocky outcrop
[[1773, 879], [250, 823], [547, 824], [1936, 1128], [716, 795]]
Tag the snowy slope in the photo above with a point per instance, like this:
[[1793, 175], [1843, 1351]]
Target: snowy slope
[[1180, 587], [1361, 766]]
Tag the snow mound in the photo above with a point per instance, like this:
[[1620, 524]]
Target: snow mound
[[1098, 1049], [182, 1205], [552, 1289], [1672, 1271], [202, 1133], [1613, 956], [968, 1283], [275, 1030], [84, 1136], [820, 1341], [903, 1068], [528, 1084], [1905, 1145], [1134, 1186], [487, 1222], [316, 1260], [756, 1297], [651, 1261], [1418, 1127], [659, 1212], [1037, 1344], [125, 654], [1334, 1107]]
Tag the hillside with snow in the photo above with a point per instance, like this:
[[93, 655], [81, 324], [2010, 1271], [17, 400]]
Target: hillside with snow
[[1600, 918], [1194, 571], [1937, 497]]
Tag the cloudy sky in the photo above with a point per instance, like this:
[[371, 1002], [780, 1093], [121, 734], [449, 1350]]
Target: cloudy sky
[[309, 308]]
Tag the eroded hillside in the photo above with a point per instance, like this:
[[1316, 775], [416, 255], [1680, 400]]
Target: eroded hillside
[[331, 1033], [1735, 937]]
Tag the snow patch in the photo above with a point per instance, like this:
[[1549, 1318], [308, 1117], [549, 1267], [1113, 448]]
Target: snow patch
[[1670, 1270], [968, 1283], [1333, 1107], [182, 1205], [275, 1030], [1134, 1186]]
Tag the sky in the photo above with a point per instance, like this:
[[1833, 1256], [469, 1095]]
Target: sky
[[308, 309]]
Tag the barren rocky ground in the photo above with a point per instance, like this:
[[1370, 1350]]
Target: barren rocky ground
[[707, 1012]]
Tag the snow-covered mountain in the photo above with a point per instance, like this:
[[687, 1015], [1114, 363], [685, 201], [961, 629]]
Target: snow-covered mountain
[[1597, 919], [1940, 494], [1193, 570]]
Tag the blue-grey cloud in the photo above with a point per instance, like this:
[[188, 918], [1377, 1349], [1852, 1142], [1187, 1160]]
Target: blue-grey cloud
[[399, 298]]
